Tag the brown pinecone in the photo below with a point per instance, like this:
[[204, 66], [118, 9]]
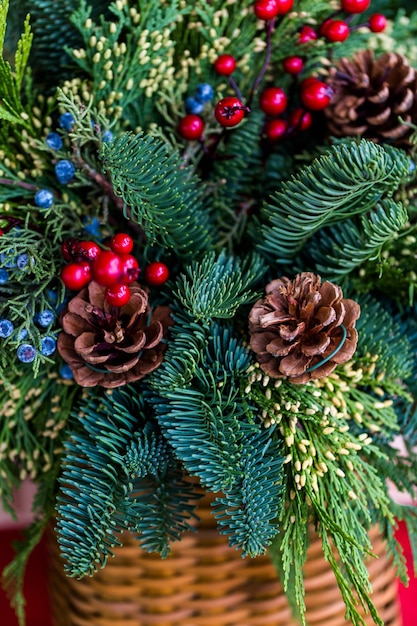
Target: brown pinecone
[[299, 324], [370, 95], [112, 349]]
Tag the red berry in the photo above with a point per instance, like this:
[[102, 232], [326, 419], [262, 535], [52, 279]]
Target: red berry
[[284, 6], [129, 267], [86, 251], [229, 111], [191, 126], [377, 22], [156, 273], [117, 295], [276, 129], [107, 268], [273, 101], [268, 9], [355, 6], [311, 80], [121, 243], [335, 30], [225, 64], [306, 34], [300, 119], [66, 250], [293, 65], [316, 95], [76, 275]]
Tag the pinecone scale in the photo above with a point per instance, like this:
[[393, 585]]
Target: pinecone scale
[[112, 348], [373, 98], [303, 329]]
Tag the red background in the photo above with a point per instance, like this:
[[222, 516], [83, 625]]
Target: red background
[[37, 596]]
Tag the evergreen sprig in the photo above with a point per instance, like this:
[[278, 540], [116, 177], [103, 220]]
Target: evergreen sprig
[[203, 416], [330, 456], [386, 340], [347, 245], [11, 107], [159, 193], [115, 480], [349, 179], [247, 513], [217, 286]]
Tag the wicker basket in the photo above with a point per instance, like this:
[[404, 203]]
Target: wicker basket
[[205, 583]]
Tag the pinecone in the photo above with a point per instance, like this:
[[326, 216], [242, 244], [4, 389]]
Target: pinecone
[[370, 95], [109, 348], [300, 324]]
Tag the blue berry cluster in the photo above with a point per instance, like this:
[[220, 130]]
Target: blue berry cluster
[[12, 261], [26, 352], [64, 169], [195, 104]]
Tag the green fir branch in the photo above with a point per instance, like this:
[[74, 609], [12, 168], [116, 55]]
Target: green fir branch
[[203, 415], [162, 196], [248, 512], [347, 245], [198, 414], [165, 502], [383, 336], [115, 480], [216, 286], [349, 179], [93, 483]]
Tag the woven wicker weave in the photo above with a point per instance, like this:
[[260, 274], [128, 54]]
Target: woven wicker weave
[[205, 583]]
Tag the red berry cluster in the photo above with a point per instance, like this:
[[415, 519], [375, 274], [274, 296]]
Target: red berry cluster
[[314, 94], [269, 9], [113, 269], [338, 30]]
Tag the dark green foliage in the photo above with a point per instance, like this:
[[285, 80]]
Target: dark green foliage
[[11, 106], [216, 287], [202, 414], [239, 169], [116, 479], [349, 179], [165, 503], [159, 193], [53, 33], [248, 511], [382, 335], [348, 244]]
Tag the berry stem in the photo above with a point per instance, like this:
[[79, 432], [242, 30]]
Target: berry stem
[[107, 187], [235, 87], [269, 26], [18, 183], [99, 179]]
